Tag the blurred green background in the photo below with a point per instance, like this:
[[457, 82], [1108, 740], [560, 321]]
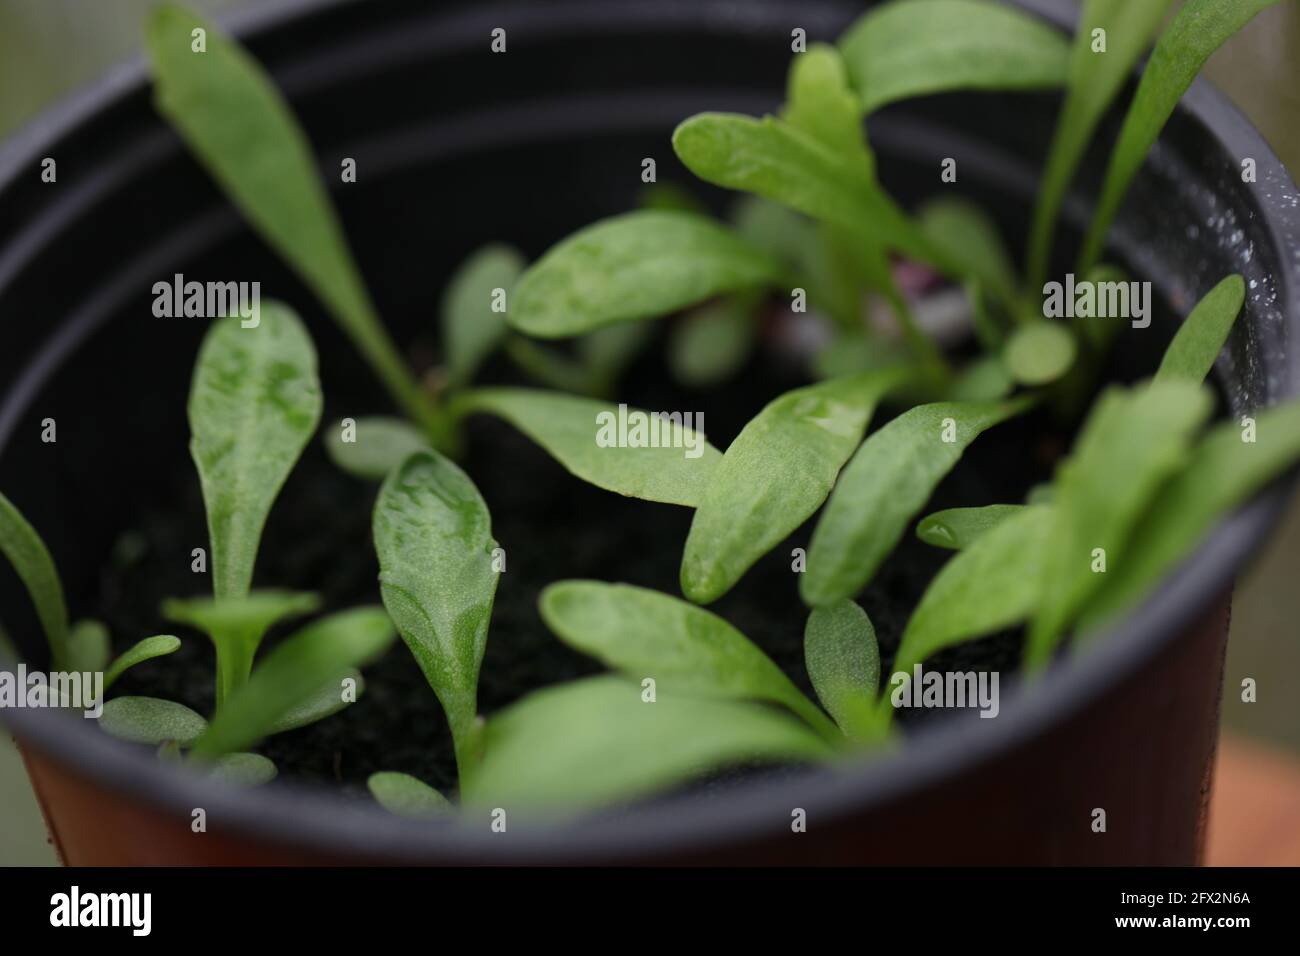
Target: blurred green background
[[48, 48]]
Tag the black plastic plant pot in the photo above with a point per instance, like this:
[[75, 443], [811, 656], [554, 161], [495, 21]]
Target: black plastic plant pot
[[457, 146]]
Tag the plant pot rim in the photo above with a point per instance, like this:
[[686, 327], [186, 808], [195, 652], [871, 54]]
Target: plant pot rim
[[300, 817]]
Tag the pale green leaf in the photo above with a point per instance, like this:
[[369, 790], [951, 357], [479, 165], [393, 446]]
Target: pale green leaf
[[968, 235], [920, 47], [635, 266], [406, 796], [598, 442], [254, 403], [776, 473], [242, 770], [592, 742], [146, 650], [24, 549], [711, 344], [884, 485], [438, 576], [149, 720], [684, 649], [1039, 352], [472, 324], [331, 697], [373, 446], [89, 647], [957, 528], [324, 651]]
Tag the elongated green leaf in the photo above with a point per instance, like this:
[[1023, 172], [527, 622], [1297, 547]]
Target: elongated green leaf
[[327, 700], [620, 449], [158, 646], [237, 627], [407, 796], [919, 47], [820, 103], [1099, 65], [843, 661], [372, 447], [1198, 29], [635, 266], [1039, 352], [776, 473], [968, 235], [994, 583], [243, 770], [957, 528], [438, 576], [775, 160], [887, 481], [322, 652], [1200, 338], [150, 720], [24, 549], [474, 307], [683, 648], [254, 404], [239, 127], [711, 344], [983, 380], [89, 647], [1132, 442], [594, 741], [1224, 470]]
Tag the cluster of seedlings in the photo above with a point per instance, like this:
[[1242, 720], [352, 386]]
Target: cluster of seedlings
[[1147, 479]]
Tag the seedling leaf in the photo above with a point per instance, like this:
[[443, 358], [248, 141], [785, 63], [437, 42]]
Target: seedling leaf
[[239, 127], [146, 650], [570, 429], [710, 345], [1039, 352], [243, 770], [89, 647], [472, 325], [776, 473], [433, 536], [1131, 443], [254, 404], [843, 662], [150, 720], [884, 485], [594, 741], [957, 528], [635, 266], [381, 444], [324, 651], [683, 648], [326, 701], [968, 235], [1200, 338], [915, 48], [407, 796], [1198, 29], [24, 549]]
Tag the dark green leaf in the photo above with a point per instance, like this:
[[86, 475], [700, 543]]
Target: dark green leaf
[[683, 648], [994, 583], [1222, 473], [1200, 338], [472, 324], [322, 652], [843, 661], [635, 266], [1198, 29], [594, 741], [407, 796], [158, 646], [378, 445], [239, 127], [957, 528], [1095, 79], [1132, 442], [149, 720], [775, 474], [254, 404], [919, 47], [438, 576], [25, 550], [884, 485], [572, 430]]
